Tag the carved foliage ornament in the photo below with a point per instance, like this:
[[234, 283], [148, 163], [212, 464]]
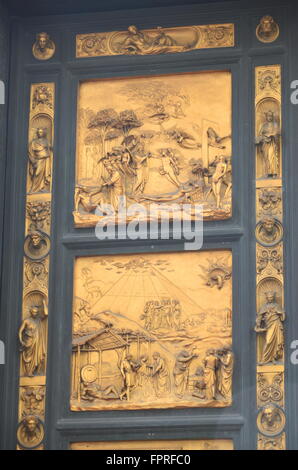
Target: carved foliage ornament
[[268, 80], [39, 213], [270, 391], [267, 257], [273, 443], [36, 271], [33, 399], [155, 41], [42, 96], [270, 200]]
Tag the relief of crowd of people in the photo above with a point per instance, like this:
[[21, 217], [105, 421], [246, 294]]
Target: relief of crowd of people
[[153, 379], [164, 313]]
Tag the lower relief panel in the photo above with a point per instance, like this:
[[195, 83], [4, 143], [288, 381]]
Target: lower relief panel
[[152, 331], [218, 444]]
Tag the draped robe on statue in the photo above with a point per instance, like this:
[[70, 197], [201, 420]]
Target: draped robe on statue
[[40, 164], [274, 338], [33, 337], [268, 141], [225, 375]]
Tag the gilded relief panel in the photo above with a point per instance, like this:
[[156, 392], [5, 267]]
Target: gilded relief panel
[[272, 443], [33, 330], [271, 316], [206, 444], [162, 140], [133, 41], [152, 331]]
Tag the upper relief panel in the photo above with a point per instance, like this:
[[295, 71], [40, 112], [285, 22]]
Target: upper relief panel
[[162, 140], [154, 41]]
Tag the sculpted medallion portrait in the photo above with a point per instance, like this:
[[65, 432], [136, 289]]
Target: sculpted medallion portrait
[[44, 47], [162, 140], [30, 432], [269, 231], [267, 30], [151, 331], [37, 245], [271, 420]]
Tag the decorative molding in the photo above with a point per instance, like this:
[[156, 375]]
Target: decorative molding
[[181, 444], [269, 202], [33, 330], [270, 387], [269, 260], [154, 41], [271, 443]]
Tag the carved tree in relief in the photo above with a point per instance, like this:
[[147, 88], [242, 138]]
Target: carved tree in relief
[[158, 144]]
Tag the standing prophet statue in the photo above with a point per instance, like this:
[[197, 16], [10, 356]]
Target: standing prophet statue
[[269, 323], [268, 141], [32, 336], [40, 162]]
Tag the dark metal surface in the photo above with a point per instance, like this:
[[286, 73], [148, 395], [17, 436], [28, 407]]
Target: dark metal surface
[[4, 69], [29, 8]]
